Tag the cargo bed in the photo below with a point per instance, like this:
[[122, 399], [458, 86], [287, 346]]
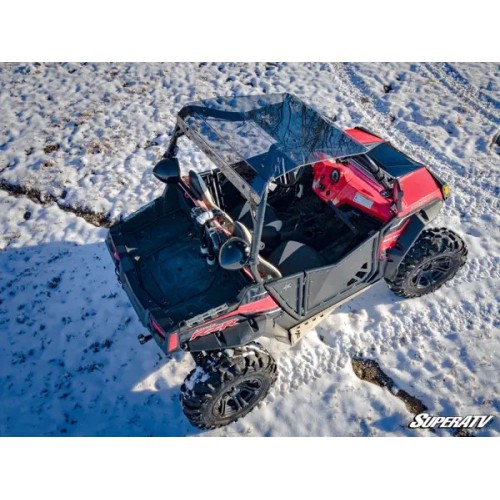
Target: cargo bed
[[158, 254]]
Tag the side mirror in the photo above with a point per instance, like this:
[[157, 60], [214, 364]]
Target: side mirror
[[234, 254], [168, 170]]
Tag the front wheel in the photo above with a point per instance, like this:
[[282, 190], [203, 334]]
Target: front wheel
[[227, 385], [434, 259]]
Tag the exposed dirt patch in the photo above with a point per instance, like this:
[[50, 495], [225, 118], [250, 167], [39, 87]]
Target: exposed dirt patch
[[97, 219], [369, 370], [51, 148]]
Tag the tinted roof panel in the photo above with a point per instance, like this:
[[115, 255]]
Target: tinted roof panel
[[264, 137]]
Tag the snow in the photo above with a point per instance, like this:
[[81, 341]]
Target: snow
[[89, 135], [198, 375]]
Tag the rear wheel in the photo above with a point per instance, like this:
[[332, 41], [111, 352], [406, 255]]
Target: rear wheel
[[227, 385], [433, 260]]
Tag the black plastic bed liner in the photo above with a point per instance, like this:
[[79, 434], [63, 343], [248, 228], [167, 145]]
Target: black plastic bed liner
[[165, 249]]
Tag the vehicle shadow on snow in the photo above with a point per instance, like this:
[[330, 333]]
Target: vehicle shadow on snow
[[71, 362]]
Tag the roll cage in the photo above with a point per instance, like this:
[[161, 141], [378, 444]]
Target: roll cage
[[255, 140]]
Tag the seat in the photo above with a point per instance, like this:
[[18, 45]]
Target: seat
[[242, 213], [271, 228], [292, 257]]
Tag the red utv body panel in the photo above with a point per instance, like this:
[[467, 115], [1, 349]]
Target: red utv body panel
[[419, 188], [363, 136], [264, 305], [348, 184], [354, 187]]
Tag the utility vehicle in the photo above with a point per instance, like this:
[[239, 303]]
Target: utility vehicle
[[297, 217]]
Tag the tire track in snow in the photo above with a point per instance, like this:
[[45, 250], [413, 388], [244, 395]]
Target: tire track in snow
[[457, 84], [355, 89], [407, 139], [296, 369]]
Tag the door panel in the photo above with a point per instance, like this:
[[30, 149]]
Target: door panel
[[325, 285], [288, 292]]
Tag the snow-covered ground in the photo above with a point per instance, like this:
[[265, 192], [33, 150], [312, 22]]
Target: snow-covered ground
[[88, 135]]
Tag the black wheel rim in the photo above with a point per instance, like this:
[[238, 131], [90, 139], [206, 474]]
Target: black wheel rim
[[239, 399], [432, 272]]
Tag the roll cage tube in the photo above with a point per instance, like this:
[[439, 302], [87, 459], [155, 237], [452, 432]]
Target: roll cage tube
[[172, 148], [258, 224]]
